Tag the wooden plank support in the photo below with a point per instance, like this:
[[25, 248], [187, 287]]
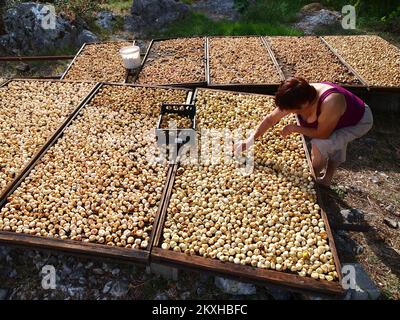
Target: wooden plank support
[[34, 58]]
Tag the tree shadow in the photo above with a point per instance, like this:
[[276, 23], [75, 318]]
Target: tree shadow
[[387, 255]]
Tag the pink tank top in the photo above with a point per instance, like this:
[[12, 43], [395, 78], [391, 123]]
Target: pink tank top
[[355, 108]]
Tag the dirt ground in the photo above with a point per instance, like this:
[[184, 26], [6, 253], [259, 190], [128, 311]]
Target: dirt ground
[[370, 181]]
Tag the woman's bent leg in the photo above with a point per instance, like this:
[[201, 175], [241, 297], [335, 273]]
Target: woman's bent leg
[[319, 162]]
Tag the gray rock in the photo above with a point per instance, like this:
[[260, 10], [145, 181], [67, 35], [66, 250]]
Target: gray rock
[[364, 288], [98, 271], [277, 293], [22, 67], [374, 179], [342, 242], [66, 269], [13, 274], [185, 295], [3, 294], [234, 287], [391, 208], [82, 280], [391, 223], [115, 272], [216, 10], [105, 20], [77, 293], [28, 31], [352, 215], [86, 36], [200, 291], [161, 296], [107, 287], [310, 21], [358, 249], [155, 14], [119, 289]]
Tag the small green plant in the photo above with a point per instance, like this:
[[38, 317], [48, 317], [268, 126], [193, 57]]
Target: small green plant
[[75, 9], [117, 6]]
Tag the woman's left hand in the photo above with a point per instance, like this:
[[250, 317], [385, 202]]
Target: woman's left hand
[[288, 130]]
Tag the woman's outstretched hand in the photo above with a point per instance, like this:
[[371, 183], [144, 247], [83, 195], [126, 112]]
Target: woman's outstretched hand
[[288, 130]]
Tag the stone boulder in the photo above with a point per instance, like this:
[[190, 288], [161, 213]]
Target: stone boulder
[[105, 20], [155, 14], [314, 17], [32, 28], [234, 287], [86, 36]]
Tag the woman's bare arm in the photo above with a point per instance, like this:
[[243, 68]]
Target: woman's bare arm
[[268, 122]]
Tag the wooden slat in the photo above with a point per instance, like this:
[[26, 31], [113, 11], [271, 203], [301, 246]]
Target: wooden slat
[[246, 272], [273, 57], [344, 62], [72, 62], [25, 240], [36, 58]]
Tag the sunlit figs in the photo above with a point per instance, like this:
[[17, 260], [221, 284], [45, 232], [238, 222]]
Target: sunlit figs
[[266, 219], [175, 61], [375, 59], [241, 60], [310, 58], [99, 62], [96, 183], [30, 112]]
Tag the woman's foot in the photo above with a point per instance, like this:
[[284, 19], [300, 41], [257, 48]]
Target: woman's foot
[[324, 181]]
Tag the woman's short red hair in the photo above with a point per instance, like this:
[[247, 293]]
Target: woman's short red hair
[[293, 93]]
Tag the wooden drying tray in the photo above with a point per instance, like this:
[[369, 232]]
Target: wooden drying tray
[[78, 247], [191, 85], [357, 88], [81, 50], [247, 273], [246, 87]]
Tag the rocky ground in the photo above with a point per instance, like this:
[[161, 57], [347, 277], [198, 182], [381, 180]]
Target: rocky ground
[[86, 278], [364, 205]]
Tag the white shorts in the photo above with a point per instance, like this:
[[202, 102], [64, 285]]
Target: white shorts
[[334, 148]]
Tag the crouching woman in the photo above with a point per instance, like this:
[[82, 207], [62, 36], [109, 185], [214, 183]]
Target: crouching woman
[[329, 114]]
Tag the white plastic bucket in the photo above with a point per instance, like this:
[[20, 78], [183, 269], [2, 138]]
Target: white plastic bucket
[[130, 57]]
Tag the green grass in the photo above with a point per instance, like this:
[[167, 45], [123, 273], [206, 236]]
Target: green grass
[[118, 6], [198, 24], [275, 17]]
